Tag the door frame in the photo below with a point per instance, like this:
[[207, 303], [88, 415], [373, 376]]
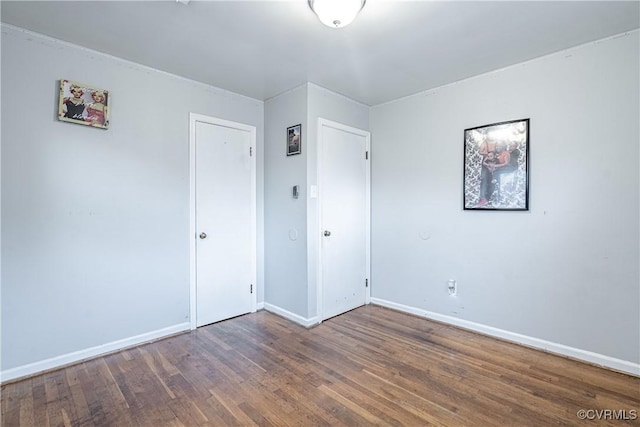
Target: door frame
[[319, 286], [193, 120]]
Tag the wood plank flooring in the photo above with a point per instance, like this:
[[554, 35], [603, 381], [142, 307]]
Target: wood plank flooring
[[371, 366]]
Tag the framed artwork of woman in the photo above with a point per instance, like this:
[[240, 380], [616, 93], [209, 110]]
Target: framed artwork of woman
[[83, 104]]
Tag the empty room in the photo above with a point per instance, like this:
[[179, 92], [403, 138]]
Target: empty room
[[320, 213]]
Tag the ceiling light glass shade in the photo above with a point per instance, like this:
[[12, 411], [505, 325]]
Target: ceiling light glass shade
[[336, 13]]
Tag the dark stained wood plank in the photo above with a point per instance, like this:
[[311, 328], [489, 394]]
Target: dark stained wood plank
[[80, 412], [54, 403], [17, 399], [26, 403], [370, 366], [39, 401]]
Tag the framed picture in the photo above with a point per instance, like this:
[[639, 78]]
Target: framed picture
[[294, 140], [83, 104], [496, 166]]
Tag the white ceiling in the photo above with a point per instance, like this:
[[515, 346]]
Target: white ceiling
[[262, 48]]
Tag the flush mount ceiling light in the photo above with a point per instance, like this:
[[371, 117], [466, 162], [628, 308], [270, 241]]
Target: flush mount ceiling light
[[336, 13]]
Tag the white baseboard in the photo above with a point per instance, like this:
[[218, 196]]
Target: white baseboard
[[306, 322], [260, 306], [77, 356], [551, 347]]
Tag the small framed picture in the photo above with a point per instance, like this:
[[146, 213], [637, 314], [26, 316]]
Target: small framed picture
[[496, 166], [294, 140], [83, 104]]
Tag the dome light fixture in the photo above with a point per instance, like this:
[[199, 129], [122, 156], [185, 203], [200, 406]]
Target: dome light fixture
[[336, 13]]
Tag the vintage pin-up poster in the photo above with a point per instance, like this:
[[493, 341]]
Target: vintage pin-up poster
[[83, 104]]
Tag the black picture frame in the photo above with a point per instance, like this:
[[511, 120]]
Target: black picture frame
[[496, 167], [294, 140]]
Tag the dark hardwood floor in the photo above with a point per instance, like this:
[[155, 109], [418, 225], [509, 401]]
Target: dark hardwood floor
[[371, 366]]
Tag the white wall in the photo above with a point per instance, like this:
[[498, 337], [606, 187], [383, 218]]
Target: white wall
[[291, 265], [96, 222], [285, 217], [568, 270], [331, 106]]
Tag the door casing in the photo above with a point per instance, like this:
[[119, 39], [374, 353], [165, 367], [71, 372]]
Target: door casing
[[367, 135], [193, 119]]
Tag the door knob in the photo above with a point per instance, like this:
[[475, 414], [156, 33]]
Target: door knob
[[327, 233], [203, 235]]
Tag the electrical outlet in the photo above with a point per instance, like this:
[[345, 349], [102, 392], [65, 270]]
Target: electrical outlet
[[452, 285]]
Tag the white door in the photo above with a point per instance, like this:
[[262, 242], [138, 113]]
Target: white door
[[224, 221], [344, 218]]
